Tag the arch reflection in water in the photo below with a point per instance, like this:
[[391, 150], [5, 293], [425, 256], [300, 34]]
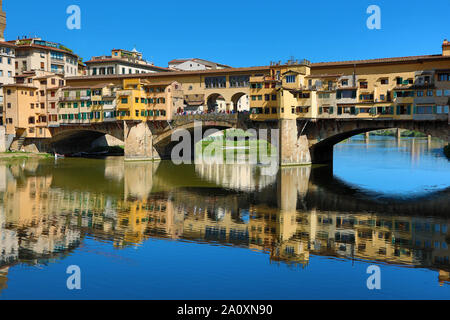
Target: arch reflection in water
[[46, 212]]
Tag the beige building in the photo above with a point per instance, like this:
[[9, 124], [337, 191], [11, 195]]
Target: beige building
[[2, 22], [35, 54], [31, 104]]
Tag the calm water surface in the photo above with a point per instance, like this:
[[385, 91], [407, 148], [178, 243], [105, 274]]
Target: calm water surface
[[159, 231]]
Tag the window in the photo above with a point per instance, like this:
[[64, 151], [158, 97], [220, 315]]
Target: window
[[444, 77], [274, 97], [438, 93], [442, 109], [267, 97], [344, 82], [420, 93], [363, 84], [424, 110], [384, 81], [290, 78], [215, 82], [430, 93], [239, 81]]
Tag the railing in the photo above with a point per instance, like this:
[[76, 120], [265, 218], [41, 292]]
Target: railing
[[206, 117]]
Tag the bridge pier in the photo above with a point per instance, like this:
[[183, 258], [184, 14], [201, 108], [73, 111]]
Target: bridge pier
[[293, 150], [138, 139]]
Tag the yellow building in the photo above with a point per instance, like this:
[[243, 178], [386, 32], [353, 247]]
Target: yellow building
[[402, 88], [145, 100]]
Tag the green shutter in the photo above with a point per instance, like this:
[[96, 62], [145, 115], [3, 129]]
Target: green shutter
[[434, 109], [339, 110], [338, 94], [354, 94], [320, 110], [415, 109], [352, 110], [409, 109], [398, 109], [331, 110]]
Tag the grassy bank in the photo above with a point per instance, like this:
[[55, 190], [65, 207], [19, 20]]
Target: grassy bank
[[23, 155], [393, 133]]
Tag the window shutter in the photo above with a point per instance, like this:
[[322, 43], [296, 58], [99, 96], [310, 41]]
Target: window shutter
[[409, 109], [434, 109], [415, 109], [331, 110], [398, 109], [339, 110], [338, 94], [353, 94], [320, 110]]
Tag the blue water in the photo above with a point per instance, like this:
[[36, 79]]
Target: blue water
[[156, 231]]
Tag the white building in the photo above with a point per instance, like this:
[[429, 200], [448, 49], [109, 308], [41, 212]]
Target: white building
[[121, 62], [194, 64], [7, 70]]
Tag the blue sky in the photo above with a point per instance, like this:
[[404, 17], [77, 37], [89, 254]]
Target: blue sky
[[237, 33]]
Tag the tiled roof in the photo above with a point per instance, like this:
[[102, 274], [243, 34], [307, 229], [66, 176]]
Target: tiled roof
[[381, 61], [174, 73], [36, 46], [178, 61]]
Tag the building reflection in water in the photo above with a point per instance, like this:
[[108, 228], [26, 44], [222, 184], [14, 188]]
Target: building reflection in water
[[44, 214]]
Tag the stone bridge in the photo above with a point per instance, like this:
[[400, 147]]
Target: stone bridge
[[299, 142]]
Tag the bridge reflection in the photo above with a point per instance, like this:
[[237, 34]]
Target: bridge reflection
[[45, 213]]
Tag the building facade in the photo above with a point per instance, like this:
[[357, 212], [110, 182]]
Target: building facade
[[7, 71], [408, 88], [120, 62], [35, 54], [31, 104], [195, 64]]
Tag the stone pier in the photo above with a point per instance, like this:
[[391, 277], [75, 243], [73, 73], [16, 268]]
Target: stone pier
[[293, 150], [139, 142], [2, 139]]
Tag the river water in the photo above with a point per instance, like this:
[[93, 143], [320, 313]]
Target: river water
[[211, 231]]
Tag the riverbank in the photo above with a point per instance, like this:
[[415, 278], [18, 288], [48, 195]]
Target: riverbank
[[24, 155], [393, 133]]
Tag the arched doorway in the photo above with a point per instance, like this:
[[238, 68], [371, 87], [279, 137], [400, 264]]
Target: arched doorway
[[216, 103], [240, 102]]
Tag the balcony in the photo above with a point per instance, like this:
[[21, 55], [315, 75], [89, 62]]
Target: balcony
[[124, 93]]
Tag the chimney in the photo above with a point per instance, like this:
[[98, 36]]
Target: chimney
[[446, 48]]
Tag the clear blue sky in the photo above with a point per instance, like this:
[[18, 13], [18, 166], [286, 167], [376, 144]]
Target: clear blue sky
[[237, 33]]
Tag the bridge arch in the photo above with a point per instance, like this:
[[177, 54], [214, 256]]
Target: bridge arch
[[326, 134], [240, 102], [163, 143], [216, 102], [67, 139]]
